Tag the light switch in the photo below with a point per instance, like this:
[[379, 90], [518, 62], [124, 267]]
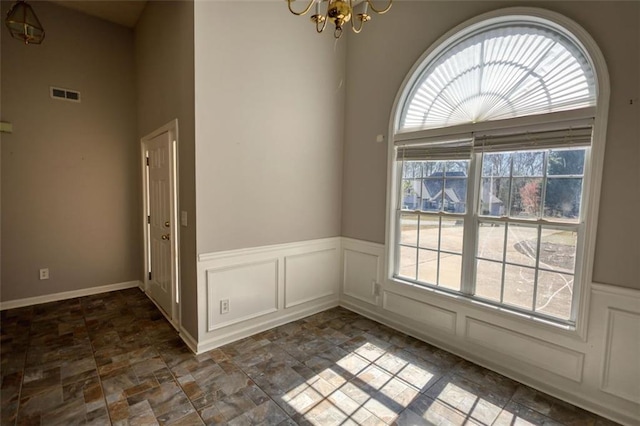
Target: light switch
[[183, 218]]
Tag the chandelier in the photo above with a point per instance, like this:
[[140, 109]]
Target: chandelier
[[339, 12], [23, 24]]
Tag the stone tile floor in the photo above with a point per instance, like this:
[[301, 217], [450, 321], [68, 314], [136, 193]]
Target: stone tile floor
[[113, 359]]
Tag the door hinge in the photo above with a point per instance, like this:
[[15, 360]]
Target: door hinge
[[147, 161], [149, 275], [149, 219]]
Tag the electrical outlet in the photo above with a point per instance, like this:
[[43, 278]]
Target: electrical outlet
[[44, 273], [224, 306]]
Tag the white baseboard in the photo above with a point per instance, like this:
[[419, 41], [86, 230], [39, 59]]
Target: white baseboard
[[223, 339], [188, 339], [272, 285], [597, 371], [29, 301]]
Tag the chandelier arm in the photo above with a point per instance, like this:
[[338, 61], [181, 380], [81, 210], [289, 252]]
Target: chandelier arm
[[303, 12], [382, 11], [357, 30], [353, 26], [324, 25]]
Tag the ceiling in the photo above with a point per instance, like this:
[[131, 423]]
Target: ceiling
[[117, 11]]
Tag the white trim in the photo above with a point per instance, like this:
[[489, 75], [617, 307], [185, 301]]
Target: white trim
[[613, 290], [551, 121], [65, 295], [232, 336], [212, 307], [592, 179], [188, 340], [172, 128], [488, 360], [206, 257], [252, 292], [594, 373]]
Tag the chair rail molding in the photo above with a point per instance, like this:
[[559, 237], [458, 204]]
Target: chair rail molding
[[246, 291]]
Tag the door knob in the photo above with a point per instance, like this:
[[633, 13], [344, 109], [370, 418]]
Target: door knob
[[167, 224], [165, 237]]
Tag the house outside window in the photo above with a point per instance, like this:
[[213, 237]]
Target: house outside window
[[492, 166]]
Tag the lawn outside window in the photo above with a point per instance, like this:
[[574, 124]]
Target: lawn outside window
[[492, 156]]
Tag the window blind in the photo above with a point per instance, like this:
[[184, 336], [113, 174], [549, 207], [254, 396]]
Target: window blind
[[452, 150], [531, 140], [497, 73]]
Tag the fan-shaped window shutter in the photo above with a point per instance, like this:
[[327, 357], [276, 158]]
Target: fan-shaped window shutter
[[502, 71]]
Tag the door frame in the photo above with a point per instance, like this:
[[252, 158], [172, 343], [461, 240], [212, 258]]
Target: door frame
[[171, 127]]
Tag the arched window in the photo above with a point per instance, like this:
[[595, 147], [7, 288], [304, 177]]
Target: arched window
[[493, 131]]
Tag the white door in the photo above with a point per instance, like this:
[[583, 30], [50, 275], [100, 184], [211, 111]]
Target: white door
[[159, 152]]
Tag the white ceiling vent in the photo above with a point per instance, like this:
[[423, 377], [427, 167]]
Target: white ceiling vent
[[65, 94]]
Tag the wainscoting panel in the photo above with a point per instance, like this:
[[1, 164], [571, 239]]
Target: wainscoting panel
[[250, 289], [433, 316], [362, 270], [621, 370], [545, 355], [265, 286], [614, 329], [310, 276], [597, 369]]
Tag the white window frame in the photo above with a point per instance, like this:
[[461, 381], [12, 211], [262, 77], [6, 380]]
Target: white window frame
[[593, 162]]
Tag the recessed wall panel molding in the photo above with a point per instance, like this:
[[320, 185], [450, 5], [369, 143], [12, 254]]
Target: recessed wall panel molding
[[362, 270], [241, 292], [441, 319], [621, 366], [245, 291], [310, 276], [547, 356]]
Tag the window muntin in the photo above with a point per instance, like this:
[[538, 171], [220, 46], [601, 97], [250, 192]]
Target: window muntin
[[533, 184], [526, 229], [505, 70], [533, 194], [431, 221]]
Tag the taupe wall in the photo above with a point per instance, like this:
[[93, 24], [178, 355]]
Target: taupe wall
[[379, 59], [70, 193], [269, 126], [165, 83]]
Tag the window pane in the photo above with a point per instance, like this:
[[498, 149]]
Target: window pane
[[410, 194], [457, 168], [451, 235], [496, 164], [522, 244], [526, 197], [450, 271], [562, 198], [558, 250], [409, 229], [491, 241], [429, 168], [555, 292], [488, 280], [432, 195], [528, 163], [569, 162], [518, 286], [407, 262], [429, 230], [494, 196], [455, 196], [411, 169], [428, 267]]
